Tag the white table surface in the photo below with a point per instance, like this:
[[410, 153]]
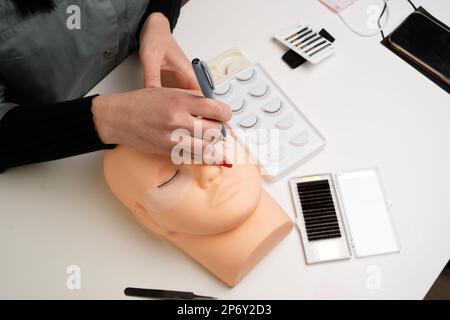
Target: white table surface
[[374, 110]]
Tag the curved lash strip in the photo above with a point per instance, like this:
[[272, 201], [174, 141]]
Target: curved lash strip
[[168, 181]]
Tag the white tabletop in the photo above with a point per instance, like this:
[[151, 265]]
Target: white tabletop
[[374, 110]]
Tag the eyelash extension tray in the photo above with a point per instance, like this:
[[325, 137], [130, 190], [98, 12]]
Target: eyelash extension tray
[[343, 214], [273, 129]]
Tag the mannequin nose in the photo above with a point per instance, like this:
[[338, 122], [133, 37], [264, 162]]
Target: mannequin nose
[[207, 174]]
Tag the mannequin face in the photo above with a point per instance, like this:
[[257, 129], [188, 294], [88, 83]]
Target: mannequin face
[[193, 199]]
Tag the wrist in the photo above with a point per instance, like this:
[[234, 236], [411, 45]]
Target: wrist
[[156, 20], [103, 117]]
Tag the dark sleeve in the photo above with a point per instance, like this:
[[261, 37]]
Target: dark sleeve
[[170, 8], [32, 133]]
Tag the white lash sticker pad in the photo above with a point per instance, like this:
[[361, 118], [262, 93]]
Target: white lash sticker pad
[[260, 90], [237, 104], [301, 139], [249, 121], [223, 89], [286, 123], [246, 75], [258, 104], [273, 106]]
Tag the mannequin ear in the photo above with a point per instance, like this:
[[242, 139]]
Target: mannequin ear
[[146, 220]]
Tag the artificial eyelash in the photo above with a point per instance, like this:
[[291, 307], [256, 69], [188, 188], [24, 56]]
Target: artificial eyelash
[[174, 176]]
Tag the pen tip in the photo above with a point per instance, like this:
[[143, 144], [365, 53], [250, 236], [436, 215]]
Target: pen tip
[[227, 165]]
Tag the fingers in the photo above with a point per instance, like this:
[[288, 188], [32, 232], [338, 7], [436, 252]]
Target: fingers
[[210, 109], [152, 70], [193, 150], [204, 129], [188, 80], [182, 67]]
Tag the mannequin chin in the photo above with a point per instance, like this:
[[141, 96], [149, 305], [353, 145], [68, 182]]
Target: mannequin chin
[[219, 216]]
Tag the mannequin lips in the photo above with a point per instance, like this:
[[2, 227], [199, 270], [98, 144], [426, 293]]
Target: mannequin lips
[[225, 191]]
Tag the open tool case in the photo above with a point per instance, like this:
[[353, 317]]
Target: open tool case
[[343, 214], [305, 45], [274, 131]]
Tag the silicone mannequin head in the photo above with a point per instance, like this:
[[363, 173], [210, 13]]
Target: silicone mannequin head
[[219, 216], [187, 198]]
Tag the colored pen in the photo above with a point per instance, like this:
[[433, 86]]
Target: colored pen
[[205, 80]]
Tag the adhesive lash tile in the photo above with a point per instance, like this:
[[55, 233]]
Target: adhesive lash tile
[[223, 89], [273, 106], [237, 104], [276, 155], [249, 122], [246, 75], [301, 139], [260, 90], [286, 123]]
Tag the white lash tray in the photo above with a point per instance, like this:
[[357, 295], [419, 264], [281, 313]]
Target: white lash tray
[[273, 130], [306, 42], [343, 214]]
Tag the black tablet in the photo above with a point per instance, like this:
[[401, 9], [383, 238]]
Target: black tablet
[[426, 42]]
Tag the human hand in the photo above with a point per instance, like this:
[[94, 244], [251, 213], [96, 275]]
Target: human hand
[[163, 61], [146, 118]]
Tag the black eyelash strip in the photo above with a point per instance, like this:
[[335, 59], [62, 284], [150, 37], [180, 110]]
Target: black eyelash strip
[[163, 184], [318, 210]]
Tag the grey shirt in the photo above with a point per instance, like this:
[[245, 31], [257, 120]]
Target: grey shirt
[[43, 60]]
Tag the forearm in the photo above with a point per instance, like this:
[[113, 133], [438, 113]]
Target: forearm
[[32, 134], [169, 8]]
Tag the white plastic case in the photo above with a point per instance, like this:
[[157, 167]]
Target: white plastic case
[[363, 213]]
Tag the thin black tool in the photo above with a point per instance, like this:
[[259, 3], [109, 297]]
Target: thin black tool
[[293, 35], [301, 36], [319, 50], [308, 38], [310, 42], [317, 45], [164, 294]]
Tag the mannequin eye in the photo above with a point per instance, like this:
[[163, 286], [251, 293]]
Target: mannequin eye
[[168, 181]]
